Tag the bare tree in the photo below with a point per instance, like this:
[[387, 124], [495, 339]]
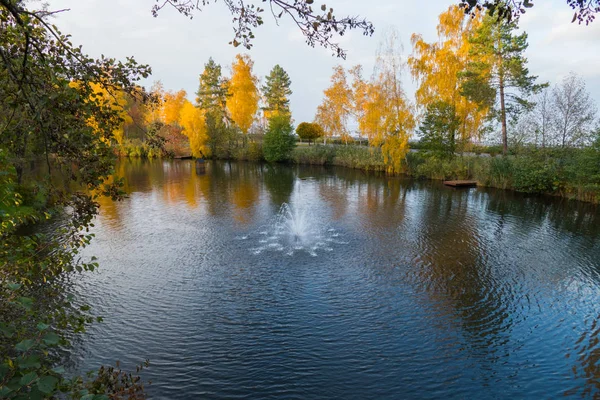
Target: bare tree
[[575, 112], [541, 116]]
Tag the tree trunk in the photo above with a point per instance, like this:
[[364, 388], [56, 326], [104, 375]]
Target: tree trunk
[[503, 117]]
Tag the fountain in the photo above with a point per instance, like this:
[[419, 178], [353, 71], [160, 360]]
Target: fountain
[[292, 231]]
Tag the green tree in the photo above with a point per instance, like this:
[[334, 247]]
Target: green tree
[[440, 128], [309, 131], [277, 92], [61, 107], [279, 140], [213, 91], [498, 77], [212, 99]]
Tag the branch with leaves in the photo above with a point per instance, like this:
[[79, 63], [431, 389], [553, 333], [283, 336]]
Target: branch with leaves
[[584, 10], [319, 25]]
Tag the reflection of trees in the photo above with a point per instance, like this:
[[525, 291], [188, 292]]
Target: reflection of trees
[[335, 193], [563, 215], [455, 274], [279, 182], [381, 206], [243, 180], [587, 351]]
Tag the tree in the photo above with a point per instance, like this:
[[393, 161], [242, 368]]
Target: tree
[[154, 105], [279, 139], [277, 92], [318, 25], [498, 71], [436, 67], [62, 107], [396, 118], [574, 112], [368, 107], [335, 110], [309, 131], [243, 93], [194, 127], [212, 99], [439, 129], [213, 91], [541, 117], [172, 105]]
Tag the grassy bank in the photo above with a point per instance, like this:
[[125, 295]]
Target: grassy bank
[[569, 173]]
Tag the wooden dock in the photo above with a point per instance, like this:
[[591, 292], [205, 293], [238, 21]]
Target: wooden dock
[[461, 183], [183, 157]]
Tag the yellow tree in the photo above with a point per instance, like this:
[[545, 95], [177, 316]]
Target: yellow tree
[[243, 93], [435, 66], [116, 101], [368, 107], [382, 109], [172, 105], [194, 127], [153, 110], [397, 117], [336, 108]]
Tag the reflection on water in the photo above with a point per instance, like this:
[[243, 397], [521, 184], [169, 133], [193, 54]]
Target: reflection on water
[[418, 290]]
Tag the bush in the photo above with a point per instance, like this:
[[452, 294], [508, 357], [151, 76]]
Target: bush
[[367, 158], [533, 174], [279, 140], [252, 151], [314, 155]]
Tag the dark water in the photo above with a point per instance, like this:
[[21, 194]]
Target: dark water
[[386, 289]]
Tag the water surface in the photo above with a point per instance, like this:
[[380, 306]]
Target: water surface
[[395, 289]]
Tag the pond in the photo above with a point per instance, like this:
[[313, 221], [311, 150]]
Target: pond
[[360, 286]]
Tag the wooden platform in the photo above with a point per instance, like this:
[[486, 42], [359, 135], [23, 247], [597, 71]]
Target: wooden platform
[[461, 183], [183, 157]]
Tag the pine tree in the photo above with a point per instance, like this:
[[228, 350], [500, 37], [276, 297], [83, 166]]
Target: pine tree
[[497, 76], [212, 99], [212, 94], [277, 92]]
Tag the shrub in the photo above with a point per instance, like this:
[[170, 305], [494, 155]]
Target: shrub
[[279, 140], [314, 155]]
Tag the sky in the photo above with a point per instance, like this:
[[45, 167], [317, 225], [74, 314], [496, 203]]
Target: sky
[[177, 48]]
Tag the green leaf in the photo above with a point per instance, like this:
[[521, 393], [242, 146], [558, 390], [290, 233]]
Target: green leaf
[[4, 368], [42, 327], [26, 302], [28, 379], [29, 362], [51, 338], [25, 345], [46, 384], [14, 286], [6, 330], [58, 370], [4, 391]]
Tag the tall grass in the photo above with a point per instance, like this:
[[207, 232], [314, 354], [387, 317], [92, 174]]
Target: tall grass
[[358, 157]]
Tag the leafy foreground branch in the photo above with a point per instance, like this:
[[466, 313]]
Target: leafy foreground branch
[[319, 25], [51, 113]]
